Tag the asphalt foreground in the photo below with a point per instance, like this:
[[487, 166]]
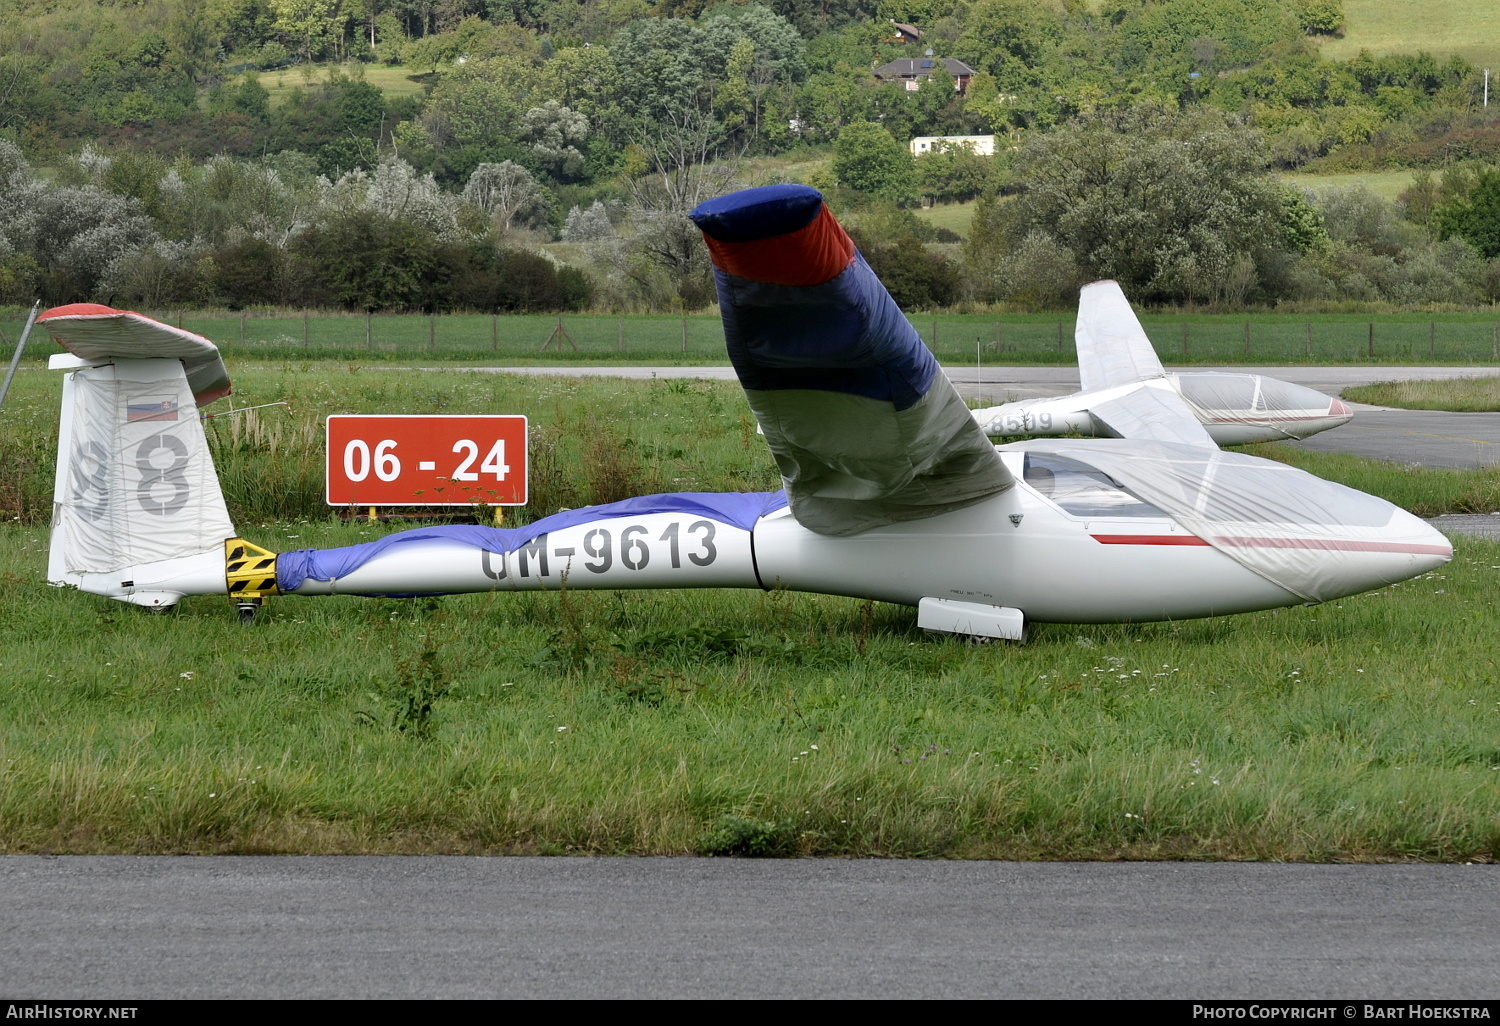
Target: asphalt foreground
[[123, 928]]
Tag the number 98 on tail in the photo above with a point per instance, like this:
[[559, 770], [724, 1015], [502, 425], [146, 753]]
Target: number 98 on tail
[[414, 460]]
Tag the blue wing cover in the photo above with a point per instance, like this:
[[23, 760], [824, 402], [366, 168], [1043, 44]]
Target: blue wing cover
[[864, 427]]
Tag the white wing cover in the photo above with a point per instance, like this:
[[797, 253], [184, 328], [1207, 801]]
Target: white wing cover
[[137, 484]]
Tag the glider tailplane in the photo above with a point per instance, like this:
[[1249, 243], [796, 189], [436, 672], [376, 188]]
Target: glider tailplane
[[137, 512]]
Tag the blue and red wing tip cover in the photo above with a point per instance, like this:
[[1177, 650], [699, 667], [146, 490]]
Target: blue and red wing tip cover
[[801, 308], [755, 214], [777, 235]]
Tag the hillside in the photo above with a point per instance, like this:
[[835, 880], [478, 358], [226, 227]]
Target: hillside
[[1468, 28]]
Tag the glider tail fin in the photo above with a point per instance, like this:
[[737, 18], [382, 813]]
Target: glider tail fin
[[137, 512]]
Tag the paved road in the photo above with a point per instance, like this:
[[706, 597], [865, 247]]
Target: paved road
[[1423, 438], [152, 927]]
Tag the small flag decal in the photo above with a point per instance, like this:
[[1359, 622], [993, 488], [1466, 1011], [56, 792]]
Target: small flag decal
[[137, 410]]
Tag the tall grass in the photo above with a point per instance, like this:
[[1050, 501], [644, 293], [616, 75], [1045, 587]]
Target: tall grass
[[593, 440], [1460, 395]]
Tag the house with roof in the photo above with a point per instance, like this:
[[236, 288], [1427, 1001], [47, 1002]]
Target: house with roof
[[913, 71], [905, 33]]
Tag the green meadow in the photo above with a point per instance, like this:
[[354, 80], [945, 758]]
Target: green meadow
[[993, 337], [1464, 395], [1468, 28], [1388, 185], [728, 723], [392, 80]]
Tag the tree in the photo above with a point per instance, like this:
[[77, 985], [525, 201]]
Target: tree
[[952, 174], [366, 261], [1167, 203], [666, 61], [555, 133], [1476, 217], [192, 39], [868, 160], [1322, 17], [507, 193], [774, 41], [681, 162], [306, 20]]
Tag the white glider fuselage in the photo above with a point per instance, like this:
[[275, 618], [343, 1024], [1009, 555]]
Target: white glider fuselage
[[1235, 409], [1017, 550]]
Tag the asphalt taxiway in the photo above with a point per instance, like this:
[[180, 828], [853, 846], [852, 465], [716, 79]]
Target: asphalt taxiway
[[122, 927]]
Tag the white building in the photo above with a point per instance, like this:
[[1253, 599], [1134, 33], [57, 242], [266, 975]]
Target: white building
[[984, 145]]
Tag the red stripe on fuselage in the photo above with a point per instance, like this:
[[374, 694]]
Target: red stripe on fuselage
[[1328, 544], [1337, 545], [1148, 539], [811, 255]]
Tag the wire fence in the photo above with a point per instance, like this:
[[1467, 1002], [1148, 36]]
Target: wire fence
[[956, 339]]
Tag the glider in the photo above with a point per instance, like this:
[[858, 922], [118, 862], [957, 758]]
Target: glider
[[892, 490], [1115, 359]]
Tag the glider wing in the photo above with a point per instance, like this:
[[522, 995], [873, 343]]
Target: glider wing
[[865, 428]]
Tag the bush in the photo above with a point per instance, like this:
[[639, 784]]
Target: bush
[[753, 838]]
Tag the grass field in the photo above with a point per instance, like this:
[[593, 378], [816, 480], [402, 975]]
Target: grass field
[[391, 80], [1466, 395], [1385, 184], [715, 722], [1469, 28], [956, 217], [1001, 338]]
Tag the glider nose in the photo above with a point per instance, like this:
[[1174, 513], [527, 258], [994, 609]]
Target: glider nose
[[1340, 411], [1407, 547]]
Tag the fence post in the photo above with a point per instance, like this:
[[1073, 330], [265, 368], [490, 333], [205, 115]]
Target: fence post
[[620, 332], [494, 332], [1307, 341], [934, 334], [979, 366], [367, 330], [1247, 338], [1432, 338], [1494, 346], [304, 327], [242, 327], [1059, 336], [999, 348], [1184, 340], [1370, 347], [684, 330], [432, 331]]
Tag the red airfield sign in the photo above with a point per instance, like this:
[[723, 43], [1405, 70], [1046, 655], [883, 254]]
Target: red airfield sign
[[414, 460]]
